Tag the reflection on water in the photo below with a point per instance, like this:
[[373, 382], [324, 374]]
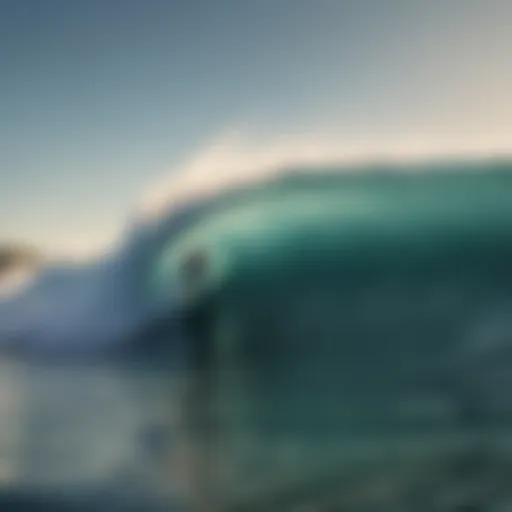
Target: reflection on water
[[84, 430]]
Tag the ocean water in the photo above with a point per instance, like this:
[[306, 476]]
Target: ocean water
[[85, 437], [422, 335]]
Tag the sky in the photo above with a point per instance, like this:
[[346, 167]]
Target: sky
[[101, 99]]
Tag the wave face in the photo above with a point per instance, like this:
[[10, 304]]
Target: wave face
[[102, 307], [398, 341]]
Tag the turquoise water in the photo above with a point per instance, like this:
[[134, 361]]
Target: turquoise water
[[361, 322], [356, 212]]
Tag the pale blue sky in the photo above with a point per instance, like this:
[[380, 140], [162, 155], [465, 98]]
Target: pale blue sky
[[100, 97]]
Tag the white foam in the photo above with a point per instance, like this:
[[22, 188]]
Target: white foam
[[236, 160]]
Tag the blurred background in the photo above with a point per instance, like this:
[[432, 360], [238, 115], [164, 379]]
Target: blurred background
[[103, 98]]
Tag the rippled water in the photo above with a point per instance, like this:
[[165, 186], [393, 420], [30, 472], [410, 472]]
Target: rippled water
[[85, 430]]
